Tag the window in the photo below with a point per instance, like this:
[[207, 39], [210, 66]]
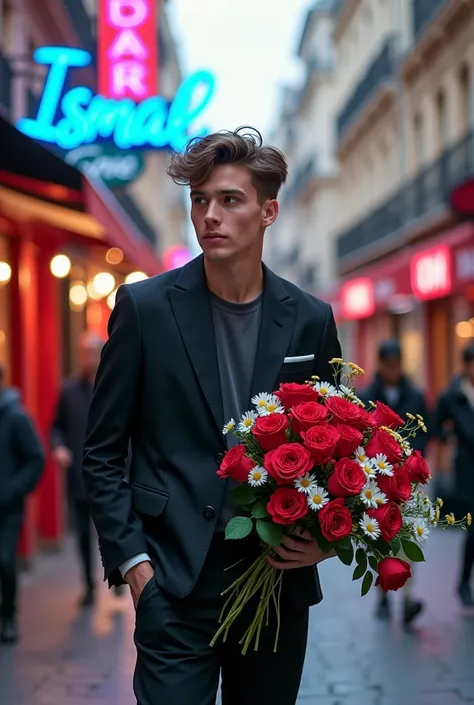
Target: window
[[419, 139], [466, 98], [441, 121]]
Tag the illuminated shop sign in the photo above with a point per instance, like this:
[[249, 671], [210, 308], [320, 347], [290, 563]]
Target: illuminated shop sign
[[128, 49], [357, 298], [79, 116], [108, 164], [430, 273]]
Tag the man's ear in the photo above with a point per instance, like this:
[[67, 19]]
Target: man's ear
[[270, 212]]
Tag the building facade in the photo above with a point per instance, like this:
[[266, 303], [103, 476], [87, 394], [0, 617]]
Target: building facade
[[401, 139]]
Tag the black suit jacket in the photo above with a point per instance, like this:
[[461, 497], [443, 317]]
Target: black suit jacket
[[158, 384]]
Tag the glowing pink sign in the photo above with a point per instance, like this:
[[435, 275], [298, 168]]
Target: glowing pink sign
[[128, 49]]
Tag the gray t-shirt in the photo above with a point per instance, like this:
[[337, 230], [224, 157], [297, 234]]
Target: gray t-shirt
[[236, 328]]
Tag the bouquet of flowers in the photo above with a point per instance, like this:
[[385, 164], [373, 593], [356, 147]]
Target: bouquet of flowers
[[311, 458]]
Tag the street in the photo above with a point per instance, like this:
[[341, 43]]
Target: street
[[67, 657]]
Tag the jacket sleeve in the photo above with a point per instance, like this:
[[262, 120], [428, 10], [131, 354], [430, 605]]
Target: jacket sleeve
[[58, 429], [116, 386], [329, 349], [30, 454], [441, 416]]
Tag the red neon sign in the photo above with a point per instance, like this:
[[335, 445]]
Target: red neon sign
[[430, 273], [357, 298], [128, 49]]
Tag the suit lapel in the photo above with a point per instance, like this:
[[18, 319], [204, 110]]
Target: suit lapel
[[276, 332], [191, 307]]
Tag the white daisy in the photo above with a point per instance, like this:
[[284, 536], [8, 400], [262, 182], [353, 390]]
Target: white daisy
[[257, 476], [369, 469], [371, 495], [306, 483], [420, 530], [370, 526], [261, 400], [382, 465], [346, 391], [325, 389], [229, 426], [361, 456], [318, 498], [247, 421]]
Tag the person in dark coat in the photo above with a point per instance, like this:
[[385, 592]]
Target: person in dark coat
[[21, 466], [67, 439], [392, 387], [454, 418]]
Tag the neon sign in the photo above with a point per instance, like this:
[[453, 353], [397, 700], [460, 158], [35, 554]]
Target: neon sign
[[79, 116], [128, 49]]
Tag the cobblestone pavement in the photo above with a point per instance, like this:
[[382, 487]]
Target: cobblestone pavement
[[69, 657]]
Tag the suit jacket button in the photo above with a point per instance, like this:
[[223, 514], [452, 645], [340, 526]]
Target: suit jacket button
[[209, 512], [219, 458]]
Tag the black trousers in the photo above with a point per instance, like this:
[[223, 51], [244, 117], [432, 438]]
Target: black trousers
[[176, 664], [83, 530], [10, 527]]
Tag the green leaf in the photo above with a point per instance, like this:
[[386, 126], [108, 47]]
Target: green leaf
[[382, 547], [359, 571], [260, 511], [374, 564], [395, 545], [272, 534], [345, 554], [361, 558], [243, 495], [366, 583], [238, 528], [412, 551]]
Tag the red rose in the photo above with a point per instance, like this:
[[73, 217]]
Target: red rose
[[346, 412], [393, 573], [308, 414], [236, 464], [291, 394], [288, 462], [383, 443], [346, 479], [417, 468], [349, 439], [287, 505], [335, 520], [389, 518], [321, 441], [270, 430], [383, 415], [398, 487]]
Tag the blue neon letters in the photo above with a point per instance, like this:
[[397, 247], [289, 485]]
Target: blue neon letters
[[85, 118]]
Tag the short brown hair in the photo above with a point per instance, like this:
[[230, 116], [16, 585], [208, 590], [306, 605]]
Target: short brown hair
[[244, 145]]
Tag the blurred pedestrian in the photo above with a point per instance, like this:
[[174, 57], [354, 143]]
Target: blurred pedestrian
[[391, 386], [454, 418], [22, 462], [67, 439]]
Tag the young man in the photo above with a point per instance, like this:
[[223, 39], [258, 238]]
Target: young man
[[455, 418], [186, 351], [21, 465], [391, 386]]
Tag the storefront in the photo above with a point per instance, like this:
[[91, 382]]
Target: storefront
[[423, 296], [65, 246]]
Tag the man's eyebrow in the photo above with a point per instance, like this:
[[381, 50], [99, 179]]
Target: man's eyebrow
[[221, 192]]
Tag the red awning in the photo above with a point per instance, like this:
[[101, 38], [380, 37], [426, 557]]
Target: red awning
[[439, 265]]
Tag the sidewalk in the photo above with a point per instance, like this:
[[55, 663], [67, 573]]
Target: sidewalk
[[69, 657]]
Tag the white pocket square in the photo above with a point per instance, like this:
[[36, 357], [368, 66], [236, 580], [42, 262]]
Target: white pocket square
[[299, 358]]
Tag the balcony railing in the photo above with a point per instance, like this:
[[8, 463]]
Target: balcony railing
[[421, 197], [380, 71], [6, 76], [82, 23], [423, 12], [304, 173]]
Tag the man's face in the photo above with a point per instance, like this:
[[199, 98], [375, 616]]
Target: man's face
[[391, 370], [89, 356], [227, 216]]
